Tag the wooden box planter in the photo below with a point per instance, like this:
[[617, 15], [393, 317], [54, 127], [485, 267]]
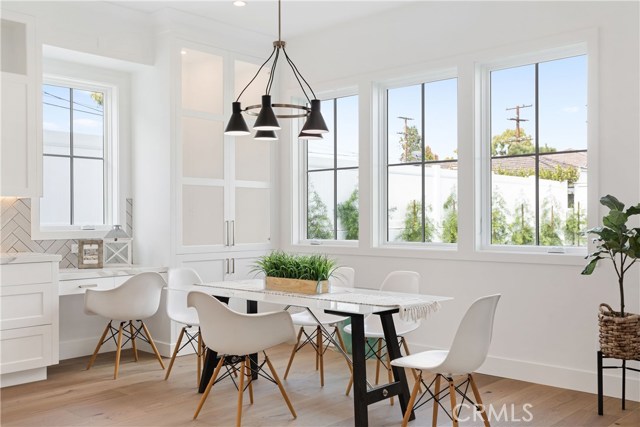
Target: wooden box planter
[[299, 286]]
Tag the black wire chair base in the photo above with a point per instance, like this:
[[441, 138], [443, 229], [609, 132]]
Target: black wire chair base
[[428, 395]]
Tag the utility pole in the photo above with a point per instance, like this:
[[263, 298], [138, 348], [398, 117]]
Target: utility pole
[[405, 133], [517, 118]]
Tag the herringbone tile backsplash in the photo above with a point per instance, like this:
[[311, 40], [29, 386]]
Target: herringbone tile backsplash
[[15, 232]]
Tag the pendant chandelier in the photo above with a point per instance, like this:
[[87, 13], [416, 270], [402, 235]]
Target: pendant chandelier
[[267, 119]]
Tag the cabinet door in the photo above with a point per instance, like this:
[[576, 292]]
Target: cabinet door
[[202, 151], [26, 305], [18, 138], [25, 348]]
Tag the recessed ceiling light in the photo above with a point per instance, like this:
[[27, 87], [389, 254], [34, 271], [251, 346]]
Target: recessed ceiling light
[[239, 3], [183, 52]]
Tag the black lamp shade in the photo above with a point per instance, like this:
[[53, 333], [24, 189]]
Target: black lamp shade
[[266, 135], [313, 136], [315, 122], [236, 126], [267, 118]]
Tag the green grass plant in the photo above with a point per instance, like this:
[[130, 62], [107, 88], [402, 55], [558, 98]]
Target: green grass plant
[[290, 266]]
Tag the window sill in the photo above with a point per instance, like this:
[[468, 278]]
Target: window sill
[[68, 233]]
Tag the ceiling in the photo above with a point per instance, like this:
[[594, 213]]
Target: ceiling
[[298, 16]]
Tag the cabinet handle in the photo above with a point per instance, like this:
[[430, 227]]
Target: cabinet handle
[[226, 260], [233, 265], [233, 230], [89, 285], [226, 237]]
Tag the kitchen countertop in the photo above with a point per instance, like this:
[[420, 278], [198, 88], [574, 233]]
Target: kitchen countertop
[[92, 273], [27, 257]]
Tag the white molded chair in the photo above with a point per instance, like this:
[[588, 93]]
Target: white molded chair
[[230, 333], [396, 281], [136, 299], [180, 283], [467, 353], [343, 277]]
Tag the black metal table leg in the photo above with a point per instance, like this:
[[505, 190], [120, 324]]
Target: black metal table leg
[[393, 349], [600, 396], [624, 383], [360, 404], [252, 308]]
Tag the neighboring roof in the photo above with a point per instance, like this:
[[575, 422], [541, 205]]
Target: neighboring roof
[[547, 161]]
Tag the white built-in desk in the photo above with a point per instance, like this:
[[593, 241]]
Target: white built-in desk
[[79, 332]]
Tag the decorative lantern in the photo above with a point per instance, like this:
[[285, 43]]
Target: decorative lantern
[[117, 247]]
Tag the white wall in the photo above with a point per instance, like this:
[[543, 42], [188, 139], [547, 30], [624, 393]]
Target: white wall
[[546, 324]]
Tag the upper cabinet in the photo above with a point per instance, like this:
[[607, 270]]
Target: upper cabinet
[[224, 183], [20, 85]]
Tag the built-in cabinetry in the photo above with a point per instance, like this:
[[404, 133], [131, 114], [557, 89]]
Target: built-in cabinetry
[[79, 332], [19, 110], [28, 317]]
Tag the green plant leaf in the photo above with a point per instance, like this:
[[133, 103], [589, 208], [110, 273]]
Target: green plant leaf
[[612, 203], [615, 219], [633, 210], [591, 266]]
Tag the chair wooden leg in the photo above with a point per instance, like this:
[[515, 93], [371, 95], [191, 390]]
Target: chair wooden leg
[[118, 350], [293, 353], [249, 377], [209, 386], [279, 383], [378, 355], [153, 345], [175, 353], [199, 356], [436, 406], [344, 348], [412, 401], [95, 353], [240, 393], [476, 394], [452, 397], [133, 341], [320, 350]]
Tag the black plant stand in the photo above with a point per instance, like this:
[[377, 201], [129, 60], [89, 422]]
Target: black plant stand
[[601, 368]]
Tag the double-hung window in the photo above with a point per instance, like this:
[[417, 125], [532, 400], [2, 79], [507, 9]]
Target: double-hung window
[[332, 174], [422, 163], [77, 148], [537, 149]]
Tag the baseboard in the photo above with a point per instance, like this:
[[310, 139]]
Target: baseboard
[[86, 346], [560, 376]]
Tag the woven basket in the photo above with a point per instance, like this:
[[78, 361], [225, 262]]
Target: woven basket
[[619, 336]]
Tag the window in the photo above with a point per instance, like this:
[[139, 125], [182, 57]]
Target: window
[[421, 163], [332, 174], [538, 154], [76, 152]]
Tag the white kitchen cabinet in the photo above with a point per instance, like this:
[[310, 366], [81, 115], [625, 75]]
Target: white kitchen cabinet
[[224, 187], [19, 138], [28, 317]]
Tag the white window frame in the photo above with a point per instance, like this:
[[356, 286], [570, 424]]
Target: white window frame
[[483, 189], [111, 169], [303, 174], [382, 185]]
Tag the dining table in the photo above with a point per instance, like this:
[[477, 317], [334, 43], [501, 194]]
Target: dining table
[[355, 303]]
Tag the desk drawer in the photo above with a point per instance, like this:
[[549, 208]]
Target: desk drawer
[[25, 274], [73, 287]]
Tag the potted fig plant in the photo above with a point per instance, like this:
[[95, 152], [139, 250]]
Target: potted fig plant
[[615, 240], [307, 274]]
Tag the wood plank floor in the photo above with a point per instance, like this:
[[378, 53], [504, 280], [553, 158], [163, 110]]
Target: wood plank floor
[[72, 396]]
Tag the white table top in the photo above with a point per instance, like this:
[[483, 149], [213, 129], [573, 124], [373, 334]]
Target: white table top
[[346, 300]]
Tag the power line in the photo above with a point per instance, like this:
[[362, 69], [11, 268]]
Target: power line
[[76, 109], [76, 103]]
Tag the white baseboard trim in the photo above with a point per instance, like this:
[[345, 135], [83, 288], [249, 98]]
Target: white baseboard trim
[[85, 347], [560, 376]]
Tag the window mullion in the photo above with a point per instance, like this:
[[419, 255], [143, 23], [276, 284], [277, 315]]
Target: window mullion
[[71, 195], [537, 153], [335, 169], [422, 163]]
